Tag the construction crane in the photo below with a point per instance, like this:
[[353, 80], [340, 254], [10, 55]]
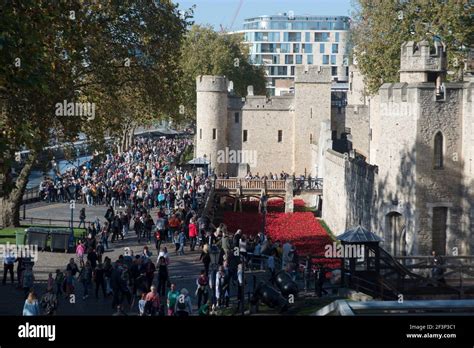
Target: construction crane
[[236, 13]]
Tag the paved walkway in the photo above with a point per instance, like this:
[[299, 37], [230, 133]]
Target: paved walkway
[[183, 270]]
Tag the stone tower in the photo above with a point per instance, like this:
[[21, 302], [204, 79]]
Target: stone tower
[[312, 107], [417, 128], [211, 119], [421, 62]]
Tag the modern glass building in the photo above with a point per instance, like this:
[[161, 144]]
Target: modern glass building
[[280, 42]]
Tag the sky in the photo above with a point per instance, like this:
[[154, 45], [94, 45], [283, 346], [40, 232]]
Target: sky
[[217, 12]]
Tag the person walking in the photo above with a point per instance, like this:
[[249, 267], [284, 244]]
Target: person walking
[[202, 291], [82, 218], [100, 250], [193, 234], [8, 265], [222, 288], [28, 279], [104, 236], [176, 242], [182, 242], [150, 269], [31, 306], [58, 282], [80, 250], [99, 280], [184, 307], [205, 258], [321, 277], [152, 302], [85, 277], [49, 302], [163, 276], [171, 299], [141, 305], [116, 229]]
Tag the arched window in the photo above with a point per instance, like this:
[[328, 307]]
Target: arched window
[[438, 151]]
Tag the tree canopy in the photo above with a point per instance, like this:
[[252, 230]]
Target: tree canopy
[[206, 52], [118, 55], [380, 27]]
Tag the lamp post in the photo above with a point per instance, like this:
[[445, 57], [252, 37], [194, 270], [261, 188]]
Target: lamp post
[[214, 251], [72, 205]]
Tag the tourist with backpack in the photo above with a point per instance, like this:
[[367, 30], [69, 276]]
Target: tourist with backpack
[[184, 307], [171, 299]]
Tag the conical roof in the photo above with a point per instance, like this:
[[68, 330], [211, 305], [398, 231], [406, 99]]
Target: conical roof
[[359, 234]]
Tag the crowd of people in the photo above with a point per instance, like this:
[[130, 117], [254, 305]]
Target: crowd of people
[[122, 179], [136, 182]]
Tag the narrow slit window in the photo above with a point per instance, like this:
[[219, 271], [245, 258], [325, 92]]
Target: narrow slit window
[[280, 136], [245, 135], [438, 151], [214, 134]]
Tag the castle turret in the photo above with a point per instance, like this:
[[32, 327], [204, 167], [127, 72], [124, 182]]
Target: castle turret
[[211, 119], [312, 107], [421, 62]]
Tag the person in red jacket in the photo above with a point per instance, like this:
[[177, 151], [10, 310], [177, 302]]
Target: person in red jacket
[[193, 233], [152, 304]]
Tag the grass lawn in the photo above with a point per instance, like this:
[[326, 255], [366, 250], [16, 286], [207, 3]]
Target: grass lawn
[[8, 234]]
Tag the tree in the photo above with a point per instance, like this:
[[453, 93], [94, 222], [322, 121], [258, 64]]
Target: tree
[[119, 56], [380, 27], [206, 52]]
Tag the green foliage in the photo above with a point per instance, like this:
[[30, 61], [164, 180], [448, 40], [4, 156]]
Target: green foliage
[[119, 55], [380, 27], [206, 52]]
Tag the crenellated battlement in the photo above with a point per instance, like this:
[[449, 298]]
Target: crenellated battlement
[[422, 57], [313, 74], [210, 83]]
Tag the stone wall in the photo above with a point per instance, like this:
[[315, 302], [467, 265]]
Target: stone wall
[[468, 160], [334, 211], [440, 187], [358, 121], [262, 127], [348, 192], [312, 106]]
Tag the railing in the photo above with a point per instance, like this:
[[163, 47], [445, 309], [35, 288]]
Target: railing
[[236, 183], [308, 184], [51, 222], [31, 194], [252, 184], [231, 184], [275, 184]]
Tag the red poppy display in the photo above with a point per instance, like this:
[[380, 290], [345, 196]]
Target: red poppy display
[[301, 229]]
